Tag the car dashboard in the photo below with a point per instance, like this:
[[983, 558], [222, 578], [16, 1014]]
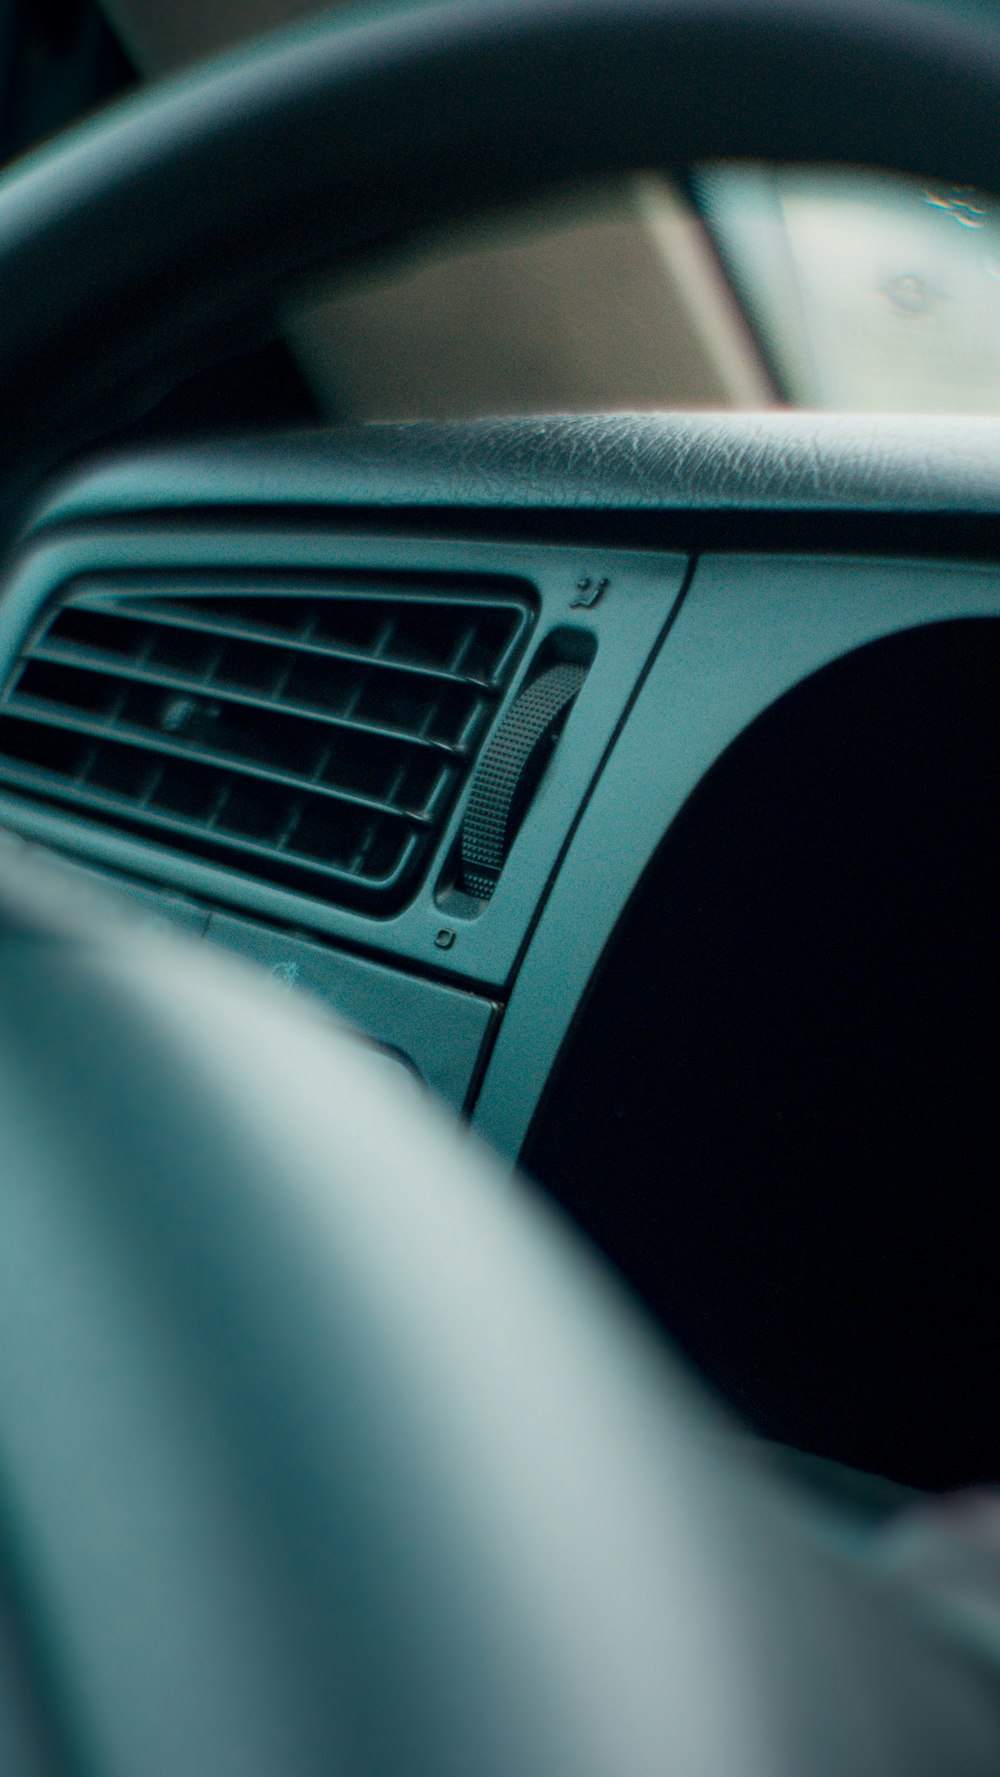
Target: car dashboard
[[631, 780]]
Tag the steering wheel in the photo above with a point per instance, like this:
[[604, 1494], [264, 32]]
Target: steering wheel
[[324, 1447]]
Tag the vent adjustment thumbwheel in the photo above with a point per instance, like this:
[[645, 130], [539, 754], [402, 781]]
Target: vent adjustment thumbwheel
[[508, 773]]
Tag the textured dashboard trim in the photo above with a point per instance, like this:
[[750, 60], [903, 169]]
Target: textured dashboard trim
[[628, 463]]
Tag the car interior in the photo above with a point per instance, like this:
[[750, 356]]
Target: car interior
[[499, 642]]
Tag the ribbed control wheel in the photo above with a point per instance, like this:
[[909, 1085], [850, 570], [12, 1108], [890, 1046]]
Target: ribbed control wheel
[[509, 771]]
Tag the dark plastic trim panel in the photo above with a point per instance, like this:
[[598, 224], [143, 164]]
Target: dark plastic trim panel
[[748, 630], [437, 1031], [441, 1030]]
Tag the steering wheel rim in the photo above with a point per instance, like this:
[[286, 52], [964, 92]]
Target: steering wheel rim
[[133, 247], [322, 1448]]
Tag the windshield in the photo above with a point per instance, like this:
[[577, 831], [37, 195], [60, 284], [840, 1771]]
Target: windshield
[[868, 293]]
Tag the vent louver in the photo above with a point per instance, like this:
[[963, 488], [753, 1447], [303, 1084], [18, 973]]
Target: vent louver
[[312, 735]]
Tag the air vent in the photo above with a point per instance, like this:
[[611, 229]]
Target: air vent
[[312, 734]]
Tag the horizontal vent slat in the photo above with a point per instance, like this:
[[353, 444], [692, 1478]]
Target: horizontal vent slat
[[47, 714], [95, 660], [312, 734], [498, 620], [46, 784], [246, 631]]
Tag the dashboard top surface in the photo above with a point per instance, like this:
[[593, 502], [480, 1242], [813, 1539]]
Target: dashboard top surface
[[627, 463]]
